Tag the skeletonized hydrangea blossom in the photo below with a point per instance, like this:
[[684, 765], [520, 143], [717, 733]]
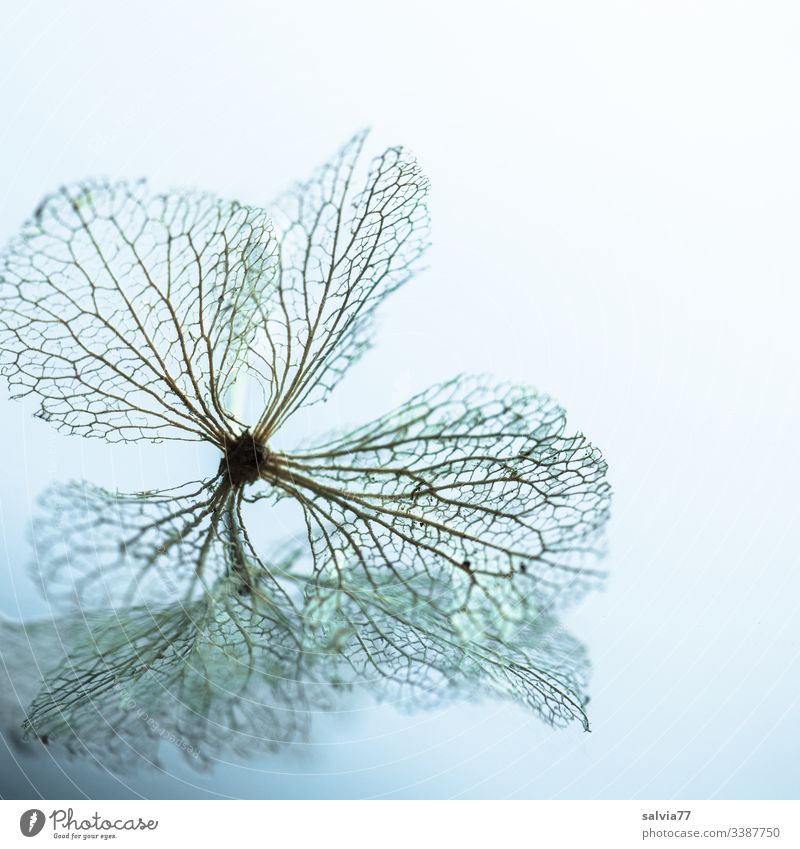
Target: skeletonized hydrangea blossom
[[440, 535]]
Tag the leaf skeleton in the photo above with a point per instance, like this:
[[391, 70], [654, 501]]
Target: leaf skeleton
[[441, 536]]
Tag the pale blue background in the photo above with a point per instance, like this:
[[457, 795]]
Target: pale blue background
[[616, 200]]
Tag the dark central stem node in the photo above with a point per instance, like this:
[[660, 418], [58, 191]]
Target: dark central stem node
[[245, 460]]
